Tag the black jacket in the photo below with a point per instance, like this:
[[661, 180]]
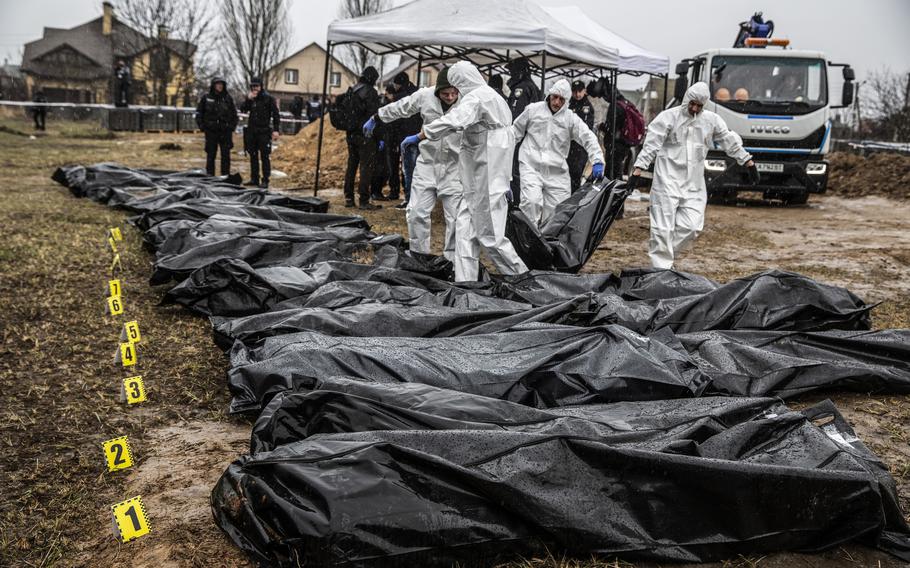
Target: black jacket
[[263, 111], [297, 106], [40, 98], [607, 125], [584, 109], [313, 110], [523, 92], [399, 129], [216, 112], [365, 102]]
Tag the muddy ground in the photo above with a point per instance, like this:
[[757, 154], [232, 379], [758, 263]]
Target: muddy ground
[[59, 387]]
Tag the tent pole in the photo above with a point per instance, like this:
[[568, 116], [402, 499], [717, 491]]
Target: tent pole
[[666, 80], [325, 88], [543, 73], [613, 75], [419, 69]]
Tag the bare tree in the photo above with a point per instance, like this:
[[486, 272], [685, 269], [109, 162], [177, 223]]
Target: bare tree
[[257, 33], [172, 35], [887, 104], [357, 57]]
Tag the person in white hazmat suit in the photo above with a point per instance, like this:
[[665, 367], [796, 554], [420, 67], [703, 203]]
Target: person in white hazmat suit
[[548, 129], [487, 147], [678, 140], [436, 175]]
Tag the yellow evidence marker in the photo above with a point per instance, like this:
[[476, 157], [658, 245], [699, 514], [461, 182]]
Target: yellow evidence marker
[[133, 390], [114, 287], [114, 305], [118, 454], [130, 520], [115, 263], [116, 234], [112, 244], [131, 332], [127, 354]]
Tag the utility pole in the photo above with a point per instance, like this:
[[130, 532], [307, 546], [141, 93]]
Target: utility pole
[[858, 115]]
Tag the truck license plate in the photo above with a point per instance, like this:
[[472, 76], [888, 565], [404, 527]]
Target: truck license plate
[[769, 167]]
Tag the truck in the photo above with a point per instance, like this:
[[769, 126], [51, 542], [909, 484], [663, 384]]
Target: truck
[[778, 101]]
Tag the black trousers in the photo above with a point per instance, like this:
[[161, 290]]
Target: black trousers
[[40, 115], [361, 155], [259, 146], [515, 185], [393, 165], [215, 141], [577, 161], [621, 153]]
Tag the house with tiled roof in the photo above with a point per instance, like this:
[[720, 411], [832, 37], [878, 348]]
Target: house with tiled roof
[[302, 73], [77, 64]]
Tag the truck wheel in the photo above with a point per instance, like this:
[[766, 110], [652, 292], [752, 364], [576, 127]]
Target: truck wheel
[[722, 197], [797, 198]]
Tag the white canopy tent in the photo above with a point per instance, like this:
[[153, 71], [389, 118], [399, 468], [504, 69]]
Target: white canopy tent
[[632, 57], [484, 32], [556, 41]]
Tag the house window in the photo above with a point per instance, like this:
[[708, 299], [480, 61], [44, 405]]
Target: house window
[[424, 77], [335, 79], [291, 76]]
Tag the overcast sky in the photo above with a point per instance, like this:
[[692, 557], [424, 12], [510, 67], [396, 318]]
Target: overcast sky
[[869, 34]]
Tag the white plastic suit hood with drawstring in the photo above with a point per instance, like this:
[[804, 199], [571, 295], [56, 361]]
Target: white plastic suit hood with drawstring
[[678, 143], [487, 146], [548, 136]]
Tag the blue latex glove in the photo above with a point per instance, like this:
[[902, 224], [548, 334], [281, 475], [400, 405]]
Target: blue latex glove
[[597, 171], [369, 126], [381, 145], [509, 196], [409, 141]]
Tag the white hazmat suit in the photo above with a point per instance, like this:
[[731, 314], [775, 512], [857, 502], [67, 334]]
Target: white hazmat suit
[[679, 144], [542, 162], [436, 175], [487, 147]]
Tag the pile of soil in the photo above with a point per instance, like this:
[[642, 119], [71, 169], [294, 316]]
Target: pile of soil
[[883, 174], [296, 156]]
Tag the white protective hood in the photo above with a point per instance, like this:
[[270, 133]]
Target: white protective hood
[[563, 89], [465, 77], [698, 92]]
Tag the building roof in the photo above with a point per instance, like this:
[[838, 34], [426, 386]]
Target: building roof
[[335, 60], [11, 71], [88, 41], [407, 63]]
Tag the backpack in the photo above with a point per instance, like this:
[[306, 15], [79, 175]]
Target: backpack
[[633, 130], [343, 115]]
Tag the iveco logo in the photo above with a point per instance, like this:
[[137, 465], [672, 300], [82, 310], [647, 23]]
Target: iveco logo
[[767, 129]]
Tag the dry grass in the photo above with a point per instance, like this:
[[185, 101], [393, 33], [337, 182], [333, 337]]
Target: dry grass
[[60, 386]]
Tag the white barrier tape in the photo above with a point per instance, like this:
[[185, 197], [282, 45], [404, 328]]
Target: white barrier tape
[[186, 110]]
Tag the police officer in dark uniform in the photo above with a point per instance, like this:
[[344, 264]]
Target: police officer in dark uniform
[[122, 80], [313, 109], [495, 83], [522, 92], [262, 129], [216, 116], [578, 157], [362, 151], [39, 111], [296, 108]]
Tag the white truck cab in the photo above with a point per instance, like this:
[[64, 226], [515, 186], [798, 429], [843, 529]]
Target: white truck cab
[[778, 101]]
